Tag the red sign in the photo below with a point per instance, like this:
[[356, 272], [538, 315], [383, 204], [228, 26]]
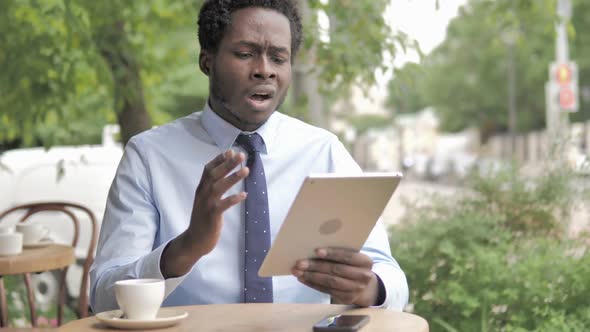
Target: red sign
[[567, 99]]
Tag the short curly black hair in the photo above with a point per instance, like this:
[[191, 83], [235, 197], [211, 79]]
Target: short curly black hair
[[215, 16]]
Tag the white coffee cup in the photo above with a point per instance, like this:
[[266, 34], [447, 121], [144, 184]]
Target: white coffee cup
[[11, 244], [140, 299], [6, 229], [32, 233]]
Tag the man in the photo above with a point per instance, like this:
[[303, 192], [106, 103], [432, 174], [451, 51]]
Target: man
[[208, 242]]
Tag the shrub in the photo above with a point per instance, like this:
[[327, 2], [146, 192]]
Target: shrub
[[497, 258], [18, 308]]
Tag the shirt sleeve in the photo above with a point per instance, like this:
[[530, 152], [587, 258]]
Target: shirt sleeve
[[125, 248], [377, 244], [387, 269]]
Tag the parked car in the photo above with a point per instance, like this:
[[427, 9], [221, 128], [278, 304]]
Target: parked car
[[77, 174]]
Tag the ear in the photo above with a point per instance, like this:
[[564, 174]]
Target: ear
[[205, 59]]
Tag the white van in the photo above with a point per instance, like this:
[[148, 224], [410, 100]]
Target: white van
[[77, 174]]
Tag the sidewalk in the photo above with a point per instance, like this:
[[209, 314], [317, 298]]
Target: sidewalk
[[413, 192]]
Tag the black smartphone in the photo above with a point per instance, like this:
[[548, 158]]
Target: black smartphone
[[341, 323]]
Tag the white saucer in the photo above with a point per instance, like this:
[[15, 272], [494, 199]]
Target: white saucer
[[40, 244], [166, 317]]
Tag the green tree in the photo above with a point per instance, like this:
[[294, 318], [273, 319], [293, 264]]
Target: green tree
[[347, 53], [358, 40], [466, 77], [580, 52], [468, 73], [405, 89], [72, 66]]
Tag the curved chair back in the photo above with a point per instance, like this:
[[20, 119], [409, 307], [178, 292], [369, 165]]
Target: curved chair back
[[69, 209]]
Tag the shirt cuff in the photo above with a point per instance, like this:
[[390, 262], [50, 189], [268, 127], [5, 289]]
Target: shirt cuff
[[381, 293], [149, 266], [393, 283]]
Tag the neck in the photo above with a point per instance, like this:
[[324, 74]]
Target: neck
[[220, 108]]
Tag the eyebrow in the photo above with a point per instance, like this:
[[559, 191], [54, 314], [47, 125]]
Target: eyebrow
[[275, 49]]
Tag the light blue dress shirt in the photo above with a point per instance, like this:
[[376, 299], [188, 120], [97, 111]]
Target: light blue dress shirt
[[151, 199]]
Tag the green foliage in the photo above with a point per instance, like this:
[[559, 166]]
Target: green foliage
[[41, 78], [18, 312], [469, 72], [466, 78], [580, 50], [57, 88], [497, 258], [524, 204], [405, 90], [358, 41]]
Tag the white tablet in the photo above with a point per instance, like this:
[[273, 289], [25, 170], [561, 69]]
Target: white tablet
[[330, 210]]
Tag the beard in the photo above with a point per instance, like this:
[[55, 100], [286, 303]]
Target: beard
[[227, 112]]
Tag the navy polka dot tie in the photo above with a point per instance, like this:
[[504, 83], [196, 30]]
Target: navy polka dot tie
[[256, 289]]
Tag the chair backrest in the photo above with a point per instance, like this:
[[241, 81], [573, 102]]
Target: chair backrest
[[68, 209]]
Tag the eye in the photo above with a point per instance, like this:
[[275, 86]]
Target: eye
[[278, 60], [243, 55]]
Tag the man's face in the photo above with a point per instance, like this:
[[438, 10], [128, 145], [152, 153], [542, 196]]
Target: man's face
[[250, 73]]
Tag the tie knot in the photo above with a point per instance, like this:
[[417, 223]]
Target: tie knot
[[251, 142]]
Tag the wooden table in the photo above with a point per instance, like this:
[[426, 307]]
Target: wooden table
[[269, 317], [50, 257]]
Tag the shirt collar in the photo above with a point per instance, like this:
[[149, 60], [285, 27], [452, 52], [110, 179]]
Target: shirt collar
[[224, 134]]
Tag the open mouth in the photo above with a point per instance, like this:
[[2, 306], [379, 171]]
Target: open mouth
[[261, 97]]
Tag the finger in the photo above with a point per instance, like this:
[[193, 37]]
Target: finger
[[344, 297], [208, 169], [221, 165], [230, 201], [355, 273], [218, 160], [345, 256], [222, 185], [332, 282], [233, 160]]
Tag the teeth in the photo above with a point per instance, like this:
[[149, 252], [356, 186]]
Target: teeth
[[259, 96]]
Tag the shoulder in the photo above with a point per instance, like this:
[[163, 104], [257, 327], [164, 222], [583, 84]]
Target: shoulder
[[303, 131], [169, 134], [324, 146]]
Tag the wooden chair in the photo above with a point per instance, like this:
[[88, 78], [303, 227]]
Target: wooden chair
[[68, 209]]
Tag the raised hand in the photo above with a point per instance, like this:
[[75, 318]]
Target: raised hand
[[208, 207], [204, 230]]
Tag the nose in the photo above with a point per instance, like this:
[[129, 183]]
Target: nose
[[263, 70]]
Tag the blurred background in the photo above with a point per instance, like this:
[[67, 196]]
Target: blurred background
[[483, 104]]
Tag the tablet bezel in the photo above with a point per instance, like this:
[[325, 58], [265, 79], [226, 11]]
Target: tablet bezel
[[357, 201]]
